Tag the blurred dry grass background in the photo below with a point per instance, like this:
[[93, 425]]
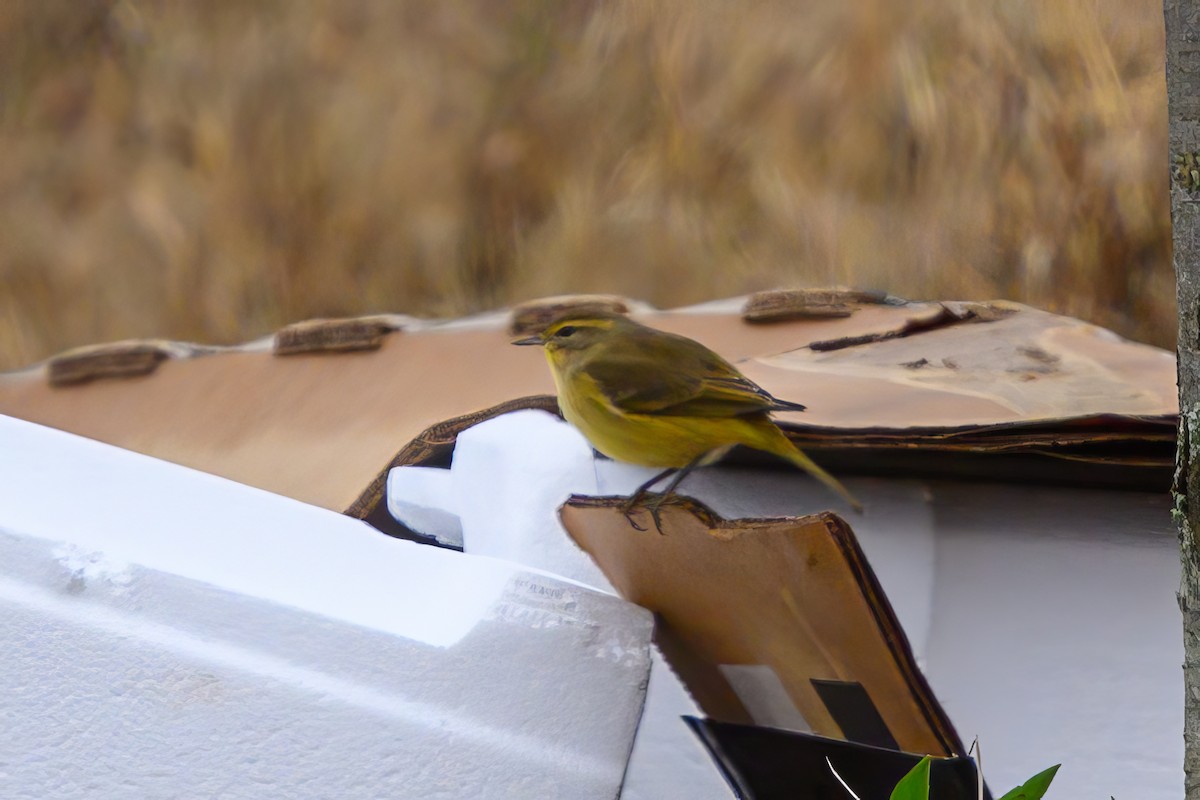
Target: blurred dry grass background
[[212, 170]]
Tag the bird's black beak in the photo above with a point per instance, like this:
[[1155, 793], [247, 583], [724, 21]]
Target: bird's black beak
[[529, 340]]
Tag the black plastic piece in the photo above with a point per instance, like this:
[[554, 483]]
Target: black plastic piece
[[770, 764]]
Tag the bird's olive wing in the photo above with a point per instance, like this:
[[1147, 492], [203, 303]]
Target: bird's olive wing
[[689, 380]]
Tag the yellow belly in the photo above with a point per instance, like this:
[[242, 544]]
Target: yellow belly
[[657, 441]]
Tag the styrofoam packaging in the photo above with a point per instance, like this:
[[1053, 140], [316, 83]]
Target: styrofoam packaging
[[510, 475], [422, 499], [169, 633]]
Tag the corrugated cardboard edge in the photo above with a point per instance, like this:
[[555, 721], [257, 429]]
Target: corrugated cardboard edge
[[890, 628], [888, 624], [1020, 435], [435, 444], [1098, 450]]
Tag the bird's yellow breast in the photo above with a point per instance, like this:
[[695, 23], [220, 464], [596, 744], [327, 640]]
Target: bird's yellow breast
[[649, 440]]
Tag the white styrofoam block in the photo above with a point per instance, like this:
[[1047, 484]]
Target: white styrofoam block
[[422, 499], [168, 632], [138, 509], [511, 474], [1056, 636]]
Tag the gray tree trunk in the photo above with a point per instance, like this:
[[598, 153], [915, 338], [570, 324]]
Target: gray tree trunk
[[1183, 102]]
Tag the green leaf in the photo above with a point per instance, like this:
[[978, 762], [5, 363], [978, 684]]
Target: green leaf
[[1035, 787], [914, 785]]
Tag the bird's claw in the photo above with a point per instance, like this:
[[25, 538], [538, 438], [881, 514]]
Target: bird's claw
[[655, 509], [632, 522], [654, 512]]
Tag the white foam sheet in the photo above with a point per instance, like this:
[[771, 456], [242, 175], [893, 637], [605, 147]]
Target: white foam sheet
[[170, 634]]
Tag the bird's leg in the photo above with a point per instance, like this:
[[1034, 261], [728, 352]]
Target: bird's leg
[[654, 506], [680, 475], [704, 459], [639, 493]]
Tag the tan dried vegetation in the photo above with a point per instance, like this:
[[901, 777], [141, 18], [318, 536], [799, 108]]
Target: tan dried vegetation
[[213, 170]]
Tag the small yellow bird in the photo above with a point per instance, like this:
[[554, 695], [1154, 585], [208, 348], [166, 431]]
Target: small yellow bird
[[655, 399]]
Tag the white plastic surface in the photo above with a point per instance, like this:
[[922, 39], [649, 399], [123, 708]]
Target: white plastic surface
[[172, 634]]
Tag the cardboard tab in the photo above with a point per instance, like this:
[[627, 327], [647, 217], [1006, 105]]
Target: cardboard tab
[[778, 305], [125, 359], [335, 335], [534, 315]]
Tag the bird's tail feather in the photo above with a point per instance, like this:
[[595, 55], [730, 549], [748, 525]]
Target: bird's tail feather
[[782, 446]]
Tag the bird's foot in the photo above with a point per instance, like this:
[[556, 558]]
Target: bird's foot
[[628, 512], [654, 506], [654, 512]]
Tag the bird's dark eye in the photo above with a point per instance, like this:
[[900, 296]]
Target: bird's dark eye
[[565, 330]]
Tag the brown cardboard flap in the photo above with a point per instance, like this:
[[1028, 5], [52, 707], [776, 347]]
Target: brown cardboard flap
[[793, 594], [934, 380], [315, 427]]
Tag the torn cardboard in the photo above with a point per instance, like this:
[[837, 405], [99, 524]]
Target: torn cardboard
[[791, 599]]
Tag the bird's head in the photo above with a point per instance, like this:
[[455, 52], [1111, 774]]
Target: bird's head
[[570, 336]]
